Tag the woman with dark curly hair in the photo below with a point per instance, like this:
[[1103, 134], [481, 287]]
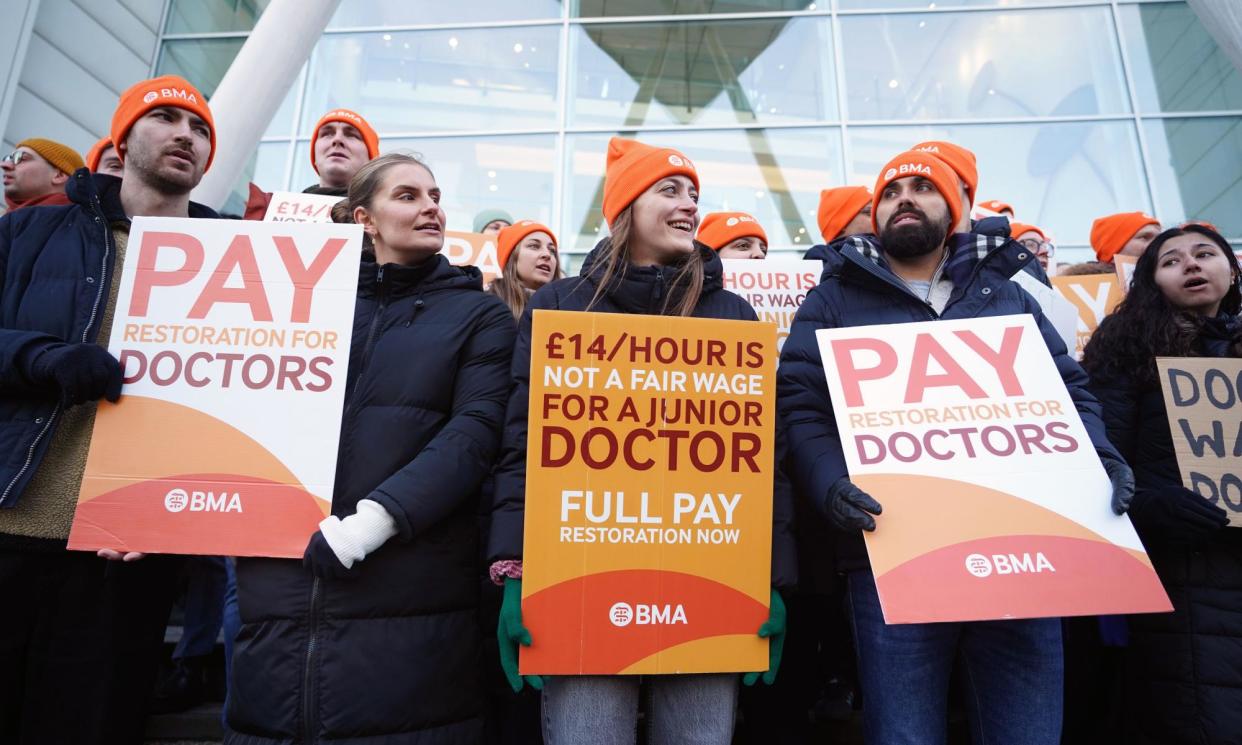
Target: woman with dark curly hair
[[1183, 669]]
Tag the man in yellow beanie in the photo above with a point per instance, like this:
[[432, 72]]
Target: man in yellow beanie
[[36, 171]]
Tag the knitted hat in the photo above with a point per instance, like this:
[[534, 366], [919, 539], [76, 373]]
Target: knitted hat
[[996, 205], [95, 154], [352, 119], [1110, 234], [508, 238], [719, 229], [64, 158], [1016, 229], [935, 170], [486, 217], [961, 160], [633, 166], [838, 206], [166, 90]]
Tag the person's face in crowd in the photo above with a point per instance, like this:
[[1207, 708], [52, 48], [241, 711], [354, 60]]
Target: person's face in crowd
[[167, 149], [1139, 241], [537, 260], [913, 218], [860, 224], [339, 152], [494, 227], [110, 163], [1036, 244], [665, 217], [405, 220], [750, 247], [27, 175], [1193, 273]]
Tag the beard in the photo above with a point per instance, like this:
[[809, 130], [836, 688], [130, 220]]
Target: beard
[[912, 240], [145, 161]]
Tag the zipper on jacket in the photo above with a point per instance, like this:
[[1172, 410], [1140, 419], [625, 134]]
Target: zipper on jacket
[[312, 645]]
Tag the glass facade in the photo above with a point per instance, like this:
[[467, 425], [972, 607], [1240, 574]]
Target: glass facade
[[1075, 109]]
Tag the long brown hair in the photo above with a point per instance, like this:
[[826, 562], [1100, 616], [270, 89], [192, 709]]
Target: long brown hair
[[509, 288], [689, 277]]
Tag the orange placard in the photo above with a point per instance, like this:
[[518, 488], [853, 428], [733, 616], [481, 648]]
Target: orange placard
[[1094, 295], [472, 249], [648, 494]]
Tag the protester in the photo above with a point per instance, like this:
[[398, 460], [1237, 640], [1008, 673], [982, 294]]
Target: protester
[[999, 207], [374, 635], [80, 635], [1125, 233], [103, 158], [36, 172], [650, 264], [491, 222], [341, 143], [1183, 677], [1034, 240], [963, 164], [527, 254], [919, 270], [844, 211], [734, 235]]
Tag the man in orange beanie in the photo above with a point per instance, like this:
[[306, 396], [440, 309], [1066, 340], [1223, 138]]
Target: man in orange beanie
[[844, 211], [962, 161], [999, 207], [36, 172], [1125, 233], [1034, 240], [734, 235], [341, 143], [102, 158], [76, 626]]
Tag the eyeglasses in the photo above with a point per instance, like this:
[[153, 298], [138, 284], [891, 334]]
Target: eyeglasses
[[17, 157], [1038, 246]]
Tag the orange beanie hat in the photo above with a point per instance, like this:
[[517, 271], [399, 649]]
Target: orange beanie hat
[[838, 206], [935, 170], [508, 238], [357, 122], [166, 90], [996, 205], [1016, 229], [719, 229], [961, 160], [633, 166], [1110, 234], [61, 157], [95, 154]]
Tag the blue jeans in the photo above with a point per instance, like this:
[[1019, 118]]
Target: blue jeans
[[1012, 670], [603, 710], [204, 605]]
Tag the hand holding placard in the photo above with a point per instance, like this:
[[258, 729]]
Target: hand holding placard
[[851, 508]]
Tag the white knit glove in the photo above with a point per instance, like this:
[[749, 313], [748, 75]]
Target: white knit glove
[[359, 534]]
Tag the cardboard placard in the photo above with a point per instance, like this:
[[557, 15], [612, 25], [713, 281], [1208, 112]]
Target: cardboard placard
[[995, 502], [1094, 295], [472, 249], [649, 480], [291, 206], [234, 339], [775, 288], [1205, 420]]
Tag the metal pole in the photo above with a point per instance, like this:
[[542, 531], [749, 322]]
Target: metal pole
[[1223, 21], [255, 86]]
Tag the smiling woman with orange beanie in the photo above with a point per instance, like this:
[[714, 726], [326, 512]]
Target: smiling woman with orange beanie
[[528, 259], [652, 265]]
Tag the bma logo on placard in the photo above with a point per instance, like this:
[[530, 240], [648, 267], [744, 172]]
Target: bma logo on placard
[[178, 500], [642, 614], [1000, 564]]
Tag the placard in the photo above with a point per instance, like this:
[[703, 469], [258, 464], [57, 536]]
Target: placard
[[292, 206], [1094, 295], [472, 249], [775, 288]]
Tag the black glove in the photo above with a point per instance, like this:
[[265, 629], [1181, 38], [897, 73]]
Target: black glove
[[1177, 515], [82, 372], [1123, 484], [848, 506], [322, 560]]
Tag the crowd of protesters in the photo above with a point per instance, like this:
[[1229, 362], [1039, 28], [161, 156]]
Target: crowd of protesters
[[402, 623]]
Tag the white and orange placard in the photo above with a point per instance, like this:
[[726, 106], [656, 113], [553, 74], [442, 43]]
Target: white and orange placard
[[1124, 265], [649, 476], [289, 206], [995, 502], [1203, 396], [234, 340], [472, 249], [775, 288], [1094, 295]]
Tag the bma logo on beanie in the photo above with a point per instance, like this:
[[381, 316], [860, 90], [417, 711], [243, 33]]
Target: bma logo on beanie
[[343, 114], [679, 161], [151, 96]]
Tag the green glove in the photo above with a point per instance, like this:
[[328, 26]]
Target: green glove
[[774, 631], [510, 633]]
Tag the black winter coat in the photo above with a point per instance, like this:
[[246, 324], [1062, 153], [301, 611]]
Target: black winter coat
[[1184, 669], [640, 290], [857, 291], [391, 655]]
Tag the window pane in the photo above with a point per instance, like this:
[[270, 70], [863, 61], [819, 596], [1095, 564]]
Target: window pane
[[982, 65], [775, 175], [430, 81], [1059, 176], [353, 13], [475, 173], [204, 16], [716, 73], [266, 169], [204, 62], [587, 8], [1175, 63], [906, 4], [1197, 167]]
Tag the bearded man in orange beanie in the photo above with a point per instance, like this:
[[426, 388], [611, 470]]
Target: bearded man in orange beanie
[[81, 630]]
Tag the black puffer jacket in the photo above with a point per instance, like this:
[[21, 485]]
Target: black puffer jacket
[[1184, 669], [390, 656], [640, 290]]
